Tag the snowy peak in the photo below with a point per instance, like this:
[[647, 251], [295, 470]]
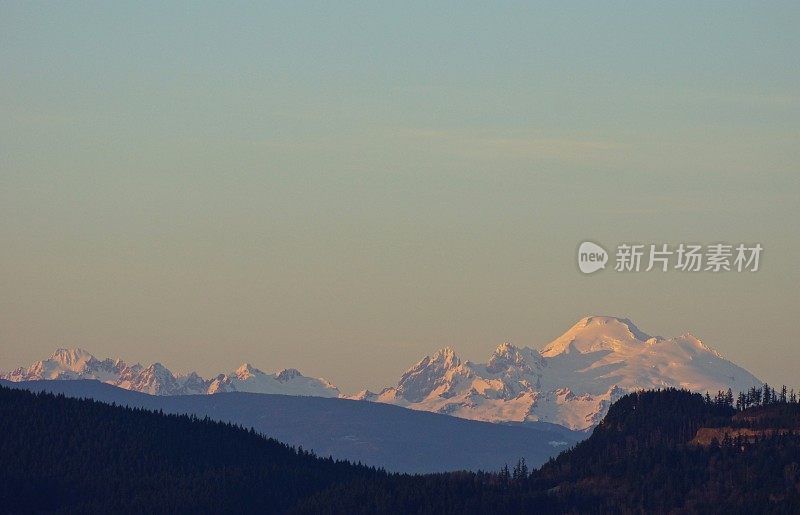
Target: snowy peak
[[441, 360], [445, 358], [596, 333], [288, 381], [506, 351], [427, 374], [67, 364], [72, 359], [507, 356], [246, 371], [572, 382], [287, 374], [156, 379]]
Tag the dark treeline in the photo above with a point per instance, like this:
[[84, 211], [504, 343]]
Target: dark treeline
[[78, 456], [755, 396], [75, 456]]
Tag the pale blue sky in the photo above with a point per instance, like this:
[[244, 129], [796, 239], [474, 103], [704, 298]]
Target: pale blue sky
[[344, 188]]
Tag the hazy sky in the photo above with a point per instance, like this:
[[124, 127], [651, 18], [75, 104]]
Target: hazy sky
[[344, 188]]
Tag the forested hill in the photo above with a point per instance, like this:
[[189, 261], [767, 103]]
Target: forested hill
[[75, 456], [642, 458]]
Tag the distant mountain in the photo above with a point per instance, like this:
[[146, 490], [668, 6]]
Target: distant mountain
[[156, 379], [571, 382], [391, 437]]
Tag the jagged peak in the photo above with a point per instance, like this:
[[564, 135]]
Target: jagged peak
[[71, 356], [288, 373], [506, 348], [507, 355], [246, 370], [157, 379], [442, 358], [158, 370], [445, 353], [446, 357], [189, 376]]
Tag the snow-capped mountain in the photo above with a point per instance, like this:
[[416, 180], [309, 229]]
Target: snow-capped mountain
[[572, 381], [156, 379], [288, 381]]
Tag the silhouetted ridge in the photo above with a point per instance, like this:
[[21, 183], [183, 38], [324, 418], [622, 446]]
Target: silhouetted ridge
[[79, 456]]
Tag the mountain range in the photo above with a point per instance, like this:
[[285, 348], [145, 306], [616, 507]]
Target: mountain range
[[571, 381], [156, 379]]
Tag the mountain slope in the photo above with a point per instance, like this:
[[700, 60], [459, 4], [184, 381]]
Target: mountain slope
[[572, 381], [391, 437], [156, 379]]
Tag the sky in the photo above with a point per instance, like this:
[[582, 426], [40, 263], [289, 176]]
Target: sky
[[345, 187]]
